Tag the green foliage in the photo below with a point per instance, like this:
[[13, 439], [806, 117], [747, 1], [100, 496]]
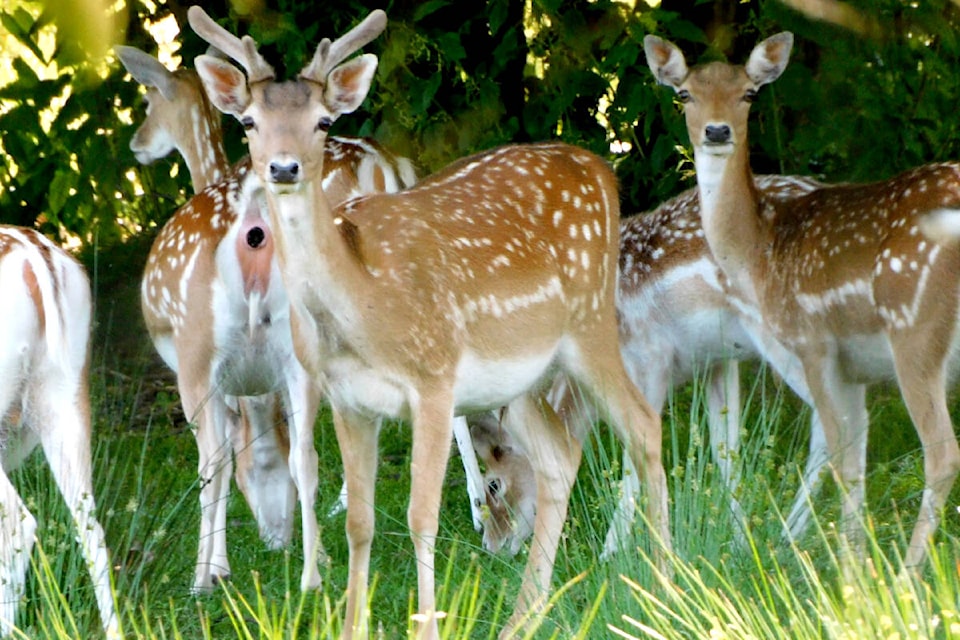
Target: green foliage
[[458, 76], [65, 154]]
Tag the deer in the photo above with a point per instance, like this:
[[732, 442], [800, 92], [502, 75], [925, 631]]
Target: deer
[[232, 263], [398, 319], [677, 321], [844, 278], [44, 400]]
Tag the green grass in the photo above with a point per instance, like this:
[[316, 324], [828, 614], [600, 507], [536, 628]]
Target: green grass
[[147, 493]]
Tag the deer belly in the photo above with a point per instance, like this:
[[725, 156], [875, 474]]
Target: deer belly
[[707, 336], [866, 358], [252, 362], [354, 385], [490, 383]]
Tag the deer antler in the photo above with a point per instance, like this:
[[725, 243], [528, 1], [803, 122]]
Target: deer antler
[[243, 50], [329, 55]]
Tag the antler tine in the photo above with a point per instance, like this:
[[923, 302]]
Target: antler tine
[[329, 55], [243, 50]]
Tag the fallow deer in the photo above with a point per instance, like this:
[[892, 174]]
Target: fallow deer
[[44, 400], [844, 278], [397, 318], [677, 321], [226, 281]]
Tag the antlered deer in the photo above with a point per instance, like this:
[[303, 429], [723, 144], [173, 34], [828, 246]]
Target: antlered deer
[[44, 400], [398, 319], [677, 321], [843, 277], [237, 338]]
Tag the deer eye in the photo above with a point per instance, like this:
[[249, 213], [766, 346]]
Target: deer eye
[[324, 124], [683, 96], [750, 96], [247, 123]]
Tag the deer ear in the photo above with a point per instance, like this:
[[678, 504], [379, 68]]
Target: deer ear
[[770, 58], [348, 84], [226, 86], [147, 70], [666, 61]]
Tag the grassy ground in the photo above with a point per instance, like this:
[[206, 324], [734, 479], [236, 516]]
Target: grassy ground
[[145, 473]]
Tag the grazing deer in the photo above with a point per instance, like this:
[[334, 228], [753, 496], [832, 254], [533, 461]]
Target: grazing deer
[[843, 277], [462, 293], [677, 321], [509, 483], [44, 400], [231, 264]]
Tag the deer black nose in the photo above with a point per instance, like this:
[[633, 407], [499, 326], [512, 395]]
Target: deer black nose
[[285, 172], [717, 133]]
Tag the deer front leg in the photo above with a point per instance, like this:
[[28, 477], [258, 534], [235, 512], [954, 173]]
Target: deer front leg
[[357, 437], [432, 429], [842, 408], [215, 468], [304, 401], [471, 468], [789, 367], [555, 455]]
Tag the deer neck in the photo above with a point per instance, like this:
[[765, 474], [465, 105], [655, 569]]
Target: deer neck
[[733, 224], [320, 260], [203, 151]]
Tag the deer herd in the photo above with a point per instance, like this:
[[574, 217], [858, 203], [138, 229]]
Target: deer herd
[[505, 288]]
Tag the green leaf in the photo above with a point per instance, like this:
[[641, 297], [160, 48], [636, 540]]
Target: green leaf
[[20, 32], [428, 8], [450, 45], [497, 14], [63, 181]]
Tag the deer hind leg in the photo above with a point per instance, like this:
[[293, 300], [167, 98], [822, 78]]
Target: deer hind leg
[[304, 402], [64, 430], [817, 458], [653, 379], [555, 455], [17, 529], [357, 437], [432, 430], [924, 392], [723, 419], [597, 368]]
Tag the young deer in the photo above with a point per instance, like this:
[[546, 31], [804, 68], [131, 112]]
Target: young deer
[[843, 277], [677, 321], [44, 400], [461, 293], [232, 264]]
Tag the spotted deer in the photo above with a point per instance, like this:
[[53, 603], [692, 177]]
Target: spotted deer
[[213, 305], [44, 400], [399, 319], [677, 321], [843, 277], [180, 117]]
